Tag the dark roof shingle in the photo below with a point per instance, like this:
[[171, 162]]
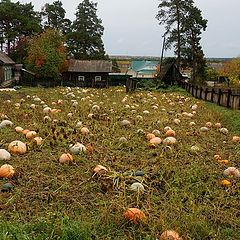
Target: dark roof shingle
[[5, 59], [90, 66]]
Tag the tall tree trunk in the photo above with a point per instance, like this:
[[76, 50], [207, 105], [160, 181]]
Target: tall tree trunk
[[194, 57], [8, 46], [178, 36]]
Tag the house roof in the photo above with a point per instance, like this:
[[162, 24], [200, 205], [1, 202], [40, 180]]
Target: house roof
[[90, 66], [145, 66], [5, 59], [165, 69]]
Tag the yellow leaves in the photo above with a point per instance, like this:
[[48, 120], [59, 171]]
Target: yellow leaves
[[223, 161], [225, 183], [231, 69], [218, 158]]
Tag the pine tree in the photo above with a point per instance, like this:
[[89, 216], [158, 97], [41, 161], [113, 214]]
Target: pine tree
[[85, 38], [192, 52], [184, 24], [53, 16], [16, 20]]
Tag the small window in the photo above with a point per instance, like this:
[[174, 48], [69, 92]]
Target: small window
[[81, 78], [98, 78]]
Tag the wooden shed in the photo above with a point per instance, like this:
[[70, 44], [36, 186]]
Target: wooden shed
[[87, 73], [169, 74], [6, 70]]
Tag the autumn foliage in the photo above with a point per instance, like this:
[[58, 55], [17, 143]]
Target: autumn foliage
[[231, 69], [47, 54]]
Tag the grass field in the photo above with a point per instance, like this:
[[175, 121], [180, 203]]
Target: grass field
[[182, 186]]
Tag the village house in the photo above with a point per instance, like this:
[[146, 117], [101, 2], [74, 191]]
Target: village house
[[6, 70], [143, 69], [87, 73]]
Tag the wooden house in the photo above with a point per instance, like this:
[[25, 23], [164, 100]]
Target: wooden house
[[87, 73], [6, 70], [169, 74]]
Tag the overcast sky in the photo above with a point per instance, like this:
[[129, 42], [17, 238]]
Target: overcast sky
[[132, 29]]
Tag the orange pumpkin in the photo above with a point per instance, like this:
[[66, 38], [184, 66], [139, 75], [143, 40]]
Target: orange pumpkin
[[218, 125], [38, 140], [55, 110], [170, 133], [6, 171], [170, 235], [18, 129], [156, 140], [17, 147], [25, 131], [134, 215], [89, 148], [84, 131], [66, 158], [150, 136], [236, 139], [99, 169], [208, 124], [31, 135]]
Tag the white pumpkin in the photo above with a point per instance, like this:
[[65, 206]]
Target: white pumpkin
[[194, 149], [194, 107], [47, 110], [77, 148], [95, 108], [231, 171], [122, 140], [4, 155], [5, 124], [177, 121], [125, 123], [204, 129], [192, 124], [156, 132], [78, 124], [223, 131], [47, 119], [38, 140], [137, 187], [169, 141]]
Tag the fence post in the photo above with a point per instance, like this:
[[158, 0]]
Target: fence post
[[206, 93], [201, 90], [196, 91], [228, 98], [212, 94], [219, 96], [128, 85]]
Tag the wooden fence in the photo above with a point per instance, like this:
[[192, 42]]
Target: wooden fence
[[228, 97]]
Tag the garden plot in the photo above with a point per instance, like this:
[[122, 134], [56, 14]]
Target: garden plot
[[101, 164]]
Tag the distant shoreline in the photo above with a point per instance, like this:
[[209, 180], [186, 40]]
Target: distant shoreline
[[152, 58]]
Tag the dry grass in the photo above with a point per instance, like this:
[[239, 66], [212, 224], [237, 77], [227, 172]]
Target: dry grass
[[63, 201]]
